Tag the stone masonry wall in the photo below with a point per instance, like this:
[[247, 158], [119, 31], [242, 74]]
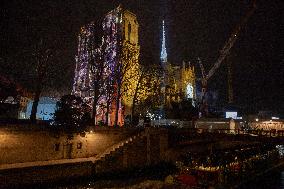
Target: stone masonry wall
[[26, 144]]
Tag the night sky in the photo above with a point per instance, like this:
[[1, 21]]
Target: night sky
[[194, 28]]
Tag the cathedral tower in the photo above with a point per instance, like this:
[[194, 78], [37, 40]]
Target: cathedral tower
[[122, 46], [178, 82], [118, 49]]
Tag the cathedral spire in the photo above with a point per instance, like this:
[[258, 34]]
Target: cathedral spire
[[164, 49]]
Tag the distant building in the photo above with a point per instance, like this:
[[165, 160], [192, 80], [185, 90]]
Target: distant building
[[13, 99], [25, 98], [45, 110], [8, 90], [265, 114]]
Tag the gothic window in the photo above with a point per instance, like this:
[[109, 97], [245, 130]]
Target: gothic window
[[129, 31], [189, 91]]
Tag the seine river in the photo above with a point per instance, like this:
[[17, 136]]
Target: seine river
[[273, 180]]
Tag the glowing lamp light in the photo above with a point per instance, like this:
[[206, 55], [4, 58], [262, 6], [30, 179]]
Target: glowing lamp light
[[256, 119]]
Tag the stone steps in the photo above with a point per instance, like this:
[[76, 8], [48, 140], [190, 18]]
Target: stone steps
[[114, 148]]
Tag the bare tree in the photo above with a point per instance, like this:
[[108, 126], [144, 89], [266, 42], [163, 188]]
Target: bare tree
[[98, 70], [109, 96], [42, 56], [126, 70], [147, 86]]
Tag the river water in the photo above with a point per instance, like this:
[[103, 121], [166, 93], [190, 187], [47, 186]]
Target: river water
[[272, 180]]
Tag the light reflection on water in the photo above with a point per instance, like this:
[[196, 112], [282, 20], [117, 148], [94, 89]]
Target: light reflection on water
[[114, 185], [282, 180]]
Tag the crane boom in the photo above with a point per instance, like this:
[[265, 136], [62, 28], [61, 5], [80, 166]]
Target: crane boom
[[223, 53], [202, 68], [231, 41]]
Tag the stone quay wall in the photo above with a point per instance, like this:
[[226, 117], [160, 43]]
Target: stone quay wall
[[29, 143]]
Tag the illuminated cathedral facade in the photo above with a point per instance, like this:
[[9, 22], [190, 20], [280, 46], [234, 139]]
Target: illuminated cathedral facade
[[107, 69], [118, 49]]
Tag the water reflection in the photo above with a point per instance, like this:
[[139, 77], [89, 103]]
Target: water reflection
[[282, 180]]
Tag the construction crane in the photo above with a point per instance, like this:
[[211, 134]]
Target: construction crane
[[223, 53]]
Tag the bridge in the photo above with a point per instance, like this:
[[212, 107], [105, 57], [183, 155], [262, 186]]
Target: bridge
[[184, 135]]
